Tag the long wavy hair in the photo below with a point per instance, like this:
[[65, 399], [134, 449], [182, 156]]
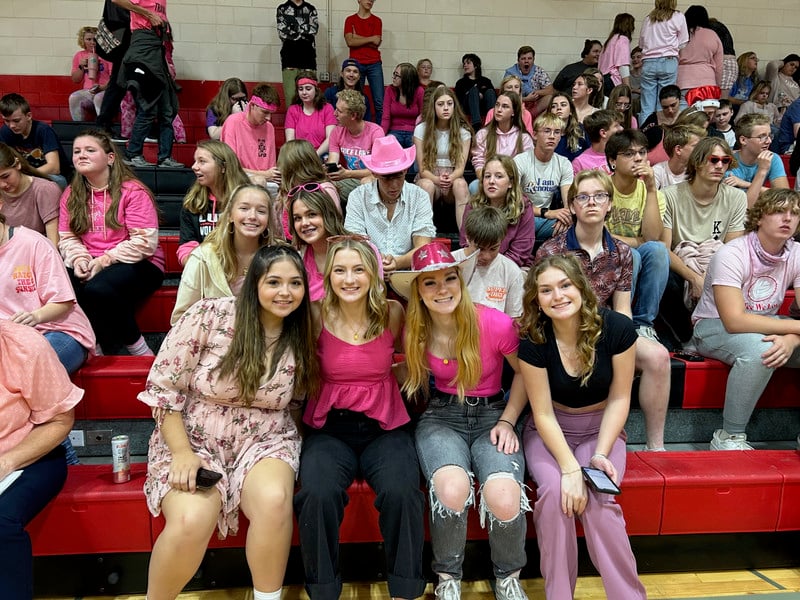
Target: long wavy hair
[[321, 203], [230, 173], [220, 104], [222, 238], [516, 121], [515, 202], [10, 158], [573, 131], [622, 91], [419, 326], [624, 24], [377, 306], [409, 82], [455, 125], [535, 325], [80, 221], [245, 358], [299, 163]]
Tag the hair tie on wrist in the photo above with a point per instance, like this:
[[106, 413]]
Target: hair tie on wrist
[[570, 472], [506, 421], [598, 454]]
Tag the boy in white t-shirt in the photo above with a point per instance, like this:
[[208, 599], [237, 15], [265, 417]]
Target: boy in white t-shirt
[[679, 141]]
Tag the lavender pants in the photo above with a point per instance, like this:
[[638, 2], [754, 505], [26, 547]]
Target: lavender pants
[[603, 524]]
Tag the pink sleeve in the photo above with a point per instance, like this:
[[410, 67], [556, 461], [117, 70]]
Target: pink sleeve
[[291, 117], [76, 60], [683, 30], [185, 249], [328, 118], [333, 143], [388, 102], [138, 214], [520, 246], [69, 245], [479, 149]]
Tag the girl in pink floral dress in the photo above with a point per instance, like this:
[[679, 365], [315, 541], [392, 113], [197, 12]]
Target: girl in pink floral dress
[[221, 389]]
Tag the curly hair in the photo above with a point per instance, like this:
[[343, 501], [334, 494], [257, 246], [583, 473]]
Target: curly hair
[[535, 324], [771, 201], [82, 32]]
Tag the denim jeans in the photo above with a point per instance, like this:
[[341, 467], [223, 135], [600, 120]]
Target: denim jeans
[[650, 274], [39, 483], [748, 376], [450, 433], [374, 75], [657, 73], [163, 112], [352, 445], [70, 353], [478, 107], [406, 139], [544, 228]]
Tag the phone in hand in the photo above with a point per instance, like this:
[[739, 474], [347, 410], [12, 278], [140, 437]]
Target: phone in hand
[[599, 481], [331, 167], [206, 478]]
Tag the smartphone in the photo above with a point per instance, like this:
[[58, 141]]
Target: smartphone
[[206, 478], [689, 356], [331, 167], [599, 481]]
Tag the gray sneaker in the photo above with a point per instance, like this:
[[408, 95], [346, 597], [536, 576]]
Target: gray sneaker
[[448, 589], [171, 163], [137, 161], [509, 588]]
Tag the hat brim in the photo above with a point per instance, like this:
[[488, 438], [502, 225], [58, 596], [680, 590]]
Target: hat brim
[[401, 280], [395, 166]]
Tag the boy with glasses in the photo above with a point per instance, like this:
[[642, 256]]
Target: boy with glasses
[[757, 164]]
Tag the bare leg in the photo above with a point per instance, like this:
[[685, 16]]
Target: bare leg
[[267, 502], [461, 195], [179, 550], [653, 361]]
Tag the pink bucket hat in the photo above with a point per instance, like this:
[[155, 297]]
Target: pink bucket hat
[[430, 257], [388, 156]]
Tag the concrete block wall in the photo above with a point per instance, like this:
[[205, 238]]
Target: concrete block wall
[[216, 39]]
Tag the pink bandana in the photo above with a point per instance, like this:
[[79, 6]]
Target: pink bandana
[[261, 104]]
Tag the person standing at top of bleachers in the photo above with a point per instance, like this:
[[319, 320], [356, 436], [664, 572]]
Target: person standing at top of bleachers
[[92, 72], [298, 24], [736, 320], [218, 173], [251, 135], [34, 140], [363, 34], [146, 71], [108, 229]]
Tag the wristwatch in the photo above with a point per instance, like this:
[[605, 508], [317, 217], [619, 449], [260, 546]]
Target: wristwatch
[[543, 212]]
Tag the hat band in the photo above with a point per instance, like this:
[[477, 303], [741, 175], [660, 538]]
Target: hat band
[[306, 81]]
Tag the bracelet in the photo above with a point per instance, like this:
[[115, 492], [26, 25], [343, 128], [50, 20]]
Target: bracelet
[[598, 454], [570, 472], [506, 421]]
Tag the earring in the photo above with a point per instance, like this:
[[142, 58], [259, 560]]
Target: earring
[[613, 167], [230, 227]]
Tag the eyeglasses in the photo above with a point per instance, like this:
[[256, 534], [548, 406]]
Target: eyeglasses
[[550, 132], [623, 105], [761, 138], [599, 198], [395, 75], [350, 237], [631, 153], [304, 187], [238, 97], [725, 160]]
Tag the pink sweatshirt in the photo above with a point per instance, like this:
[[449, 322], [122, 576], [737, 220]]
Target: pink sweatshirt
[[396, 115], [700, 61], [665, 38]]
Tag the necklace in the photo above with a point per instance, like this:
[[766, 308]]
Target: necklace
[[390, 202], [357, 332]]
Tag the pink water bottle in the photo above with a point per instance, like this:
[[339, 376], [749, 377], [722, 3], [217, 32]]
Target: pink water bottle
[[91, 66]]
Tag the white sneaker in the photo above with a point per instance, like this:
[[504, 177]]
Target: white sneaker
[[448, 589], [723, 440], [648, 332], [509, 588]]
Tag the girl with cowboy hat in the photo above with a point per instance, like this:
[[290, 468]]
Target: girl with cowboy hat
[[468, 427]]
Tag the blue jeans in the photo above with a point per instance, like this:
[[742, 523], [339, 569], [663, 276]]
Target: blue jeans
[[650, 274], [544, 228], [161, 111], [352, 445], [657, 73], [70, 353], [374, 76], [19, 504], [450, 433], [479, 107], [406, 139]]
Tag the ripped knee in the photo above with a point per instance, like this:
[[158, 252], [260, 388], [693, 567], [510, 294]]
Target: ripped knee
[[451, 491], [503, 499]]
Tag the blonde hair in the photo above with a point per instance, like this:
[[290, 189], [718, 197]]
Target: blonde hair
[[663, 11], [771, 201], [515, 200], [231, 174], [456, 124], [82, 32], [467, 343]]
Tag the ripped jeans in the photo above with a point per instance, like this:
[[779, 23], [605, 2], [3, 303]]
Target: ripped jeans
[[453, 434]]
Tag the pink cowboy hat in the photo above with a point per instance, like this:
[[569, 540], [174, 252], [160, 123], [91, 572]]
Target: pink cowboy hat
[[430, 257], [388, 156]]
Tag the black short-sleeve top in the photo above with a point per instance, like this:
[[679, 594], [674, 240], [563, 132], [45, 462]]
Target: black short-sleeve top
[[617, 335]]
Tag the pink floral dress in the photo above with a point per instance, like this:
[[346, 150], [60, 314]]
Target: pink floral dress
[[229, 437]]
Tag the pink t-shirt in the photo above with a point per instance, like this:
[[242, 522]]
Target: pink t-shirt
[[253, 146], [33, 208], [103, 70], [139, 21], [310, 127], [616, 54], [352, 148], [316, 280], [368, 27], [498, 338], [665, 38], [589, 159], [763, 286], [34, 387], [32, 274]]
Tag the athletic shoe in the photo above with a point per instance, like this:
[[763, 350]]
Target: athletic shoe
[[648, 332], [150, 140], [723, 440], [509, 588], [448, 589], [171, 163], [137, 161]]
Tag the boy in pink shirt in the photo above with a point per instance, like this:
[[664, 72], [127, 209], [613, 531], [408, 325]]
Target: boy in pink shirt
[[599, 126]]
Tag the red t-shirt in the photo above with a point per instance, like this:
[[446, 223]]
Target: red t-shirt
[[368, 27]]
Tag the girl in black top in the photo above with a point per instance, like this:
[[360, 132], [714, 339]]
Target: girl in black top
[[577, 362]]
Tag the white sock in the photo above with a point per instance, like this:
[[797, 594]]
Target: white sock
[[139, 348], [276, 595]]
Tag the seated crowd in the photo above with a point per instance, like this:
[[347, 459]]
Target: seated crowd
[[310, 269]]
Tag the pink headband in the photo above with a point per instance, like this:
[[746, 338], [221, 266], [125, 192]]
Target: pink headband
[[306, 81], [261, 104]]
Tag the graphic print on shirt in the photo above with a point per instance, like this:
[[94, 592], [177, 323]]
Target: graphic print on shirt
[[23, 275], [716, 231], [208, 223], [761, 289]]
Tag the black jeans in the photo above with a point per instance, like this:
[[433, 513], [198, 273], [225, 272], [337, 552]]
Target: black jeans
[[111, 297], [352, 445]]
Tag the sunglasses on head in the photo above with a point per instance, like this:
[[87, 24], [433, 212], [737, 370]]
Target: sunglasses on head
[[305, 187], [725, 160]]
